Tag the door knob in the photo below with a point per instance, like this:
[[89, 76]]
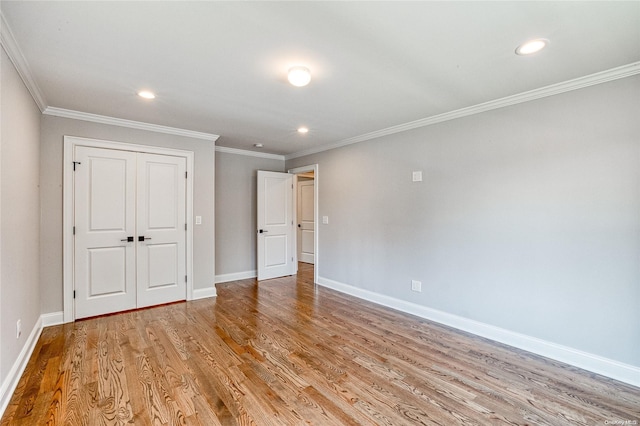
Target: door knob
[[262, 231], [128, 239], [142, 238]]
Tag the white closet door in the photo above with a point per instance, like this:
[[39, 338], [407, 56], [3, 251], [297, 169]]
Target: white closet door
[[161, 233], [104, 210]]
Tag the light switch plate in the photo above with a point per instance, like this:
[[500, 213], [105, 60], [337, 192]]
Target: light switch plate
[[417, 176], [325, 220], [198, 220]]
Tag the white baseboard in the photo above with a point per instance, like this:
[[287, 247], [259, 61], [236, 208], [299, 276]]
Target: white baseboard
[[236, 276], [13, 377], [204, 293], [607, 367], [53, 318]]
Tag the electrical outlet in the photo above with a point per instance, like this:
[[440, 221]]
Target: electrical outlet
[[416, 286], [18, 329]]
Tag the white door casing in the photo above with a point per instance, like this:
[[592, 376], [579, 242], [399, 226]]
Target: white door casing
[[161, 229], [275, 225], [104, 221], [71, 144], [305, 218]]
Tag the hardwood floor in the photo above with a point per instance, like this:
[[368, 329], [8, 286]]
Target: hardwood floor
[[287, 352]]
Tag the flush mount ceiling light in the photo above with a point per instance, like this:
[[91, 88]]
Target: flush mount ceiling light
[[299, 76], [303, 130], [532, 46], [146, 94]]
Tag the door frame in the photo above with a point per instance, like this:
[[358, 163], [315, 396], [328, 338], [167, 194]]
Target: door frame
[[316, 209], [70, 142]]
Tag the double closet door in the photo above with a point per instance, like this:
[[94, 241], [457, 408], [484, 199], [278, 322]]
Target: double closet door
[[130, 230]]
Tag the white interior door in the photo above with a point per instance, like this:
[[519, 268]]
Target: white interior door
[[161, 232], [104, 252], [130, 230], [306, 234], [275, 225]]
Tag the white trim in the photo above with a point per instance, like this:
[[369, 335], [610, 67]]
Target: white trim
[[20, 62], [52, 318], [13, 376], [225, 278], [249, 153], [543, 92], [189, 156], [607, 367], [70, 142], [121, 122], [204, 293], [316, 214], [213, 222]]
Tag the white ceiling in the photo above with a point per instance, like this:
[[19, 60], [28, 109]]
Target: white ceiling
[[220, 67]]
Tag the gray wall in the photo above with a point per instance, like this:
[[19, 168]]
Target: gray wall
[[53, 131], [236, 192], [528, 218], [19, 214]]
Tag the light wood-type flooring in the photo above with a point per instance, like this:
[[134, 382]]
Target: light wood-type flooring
[[286, 352]]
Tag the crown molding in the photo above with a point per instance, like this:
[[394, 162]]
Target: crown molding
[[20, 63], [249, 153], [103, 119], [543, 92]]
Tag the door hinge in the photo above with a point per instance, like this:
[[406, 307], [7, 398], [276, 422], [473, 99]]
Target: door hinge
[[185, 175], [74, 294], [74, 165], [185, 278], [74, 230], [185, 226]]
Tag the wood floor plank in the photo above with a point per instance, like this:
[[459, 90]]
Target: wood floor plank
[[287, 352]]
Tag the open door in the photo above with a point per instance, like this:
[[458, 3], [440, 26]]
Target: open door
[[275, 225]]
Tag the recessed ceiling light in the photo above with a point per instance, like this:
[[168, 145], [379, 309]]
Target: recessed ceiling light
[[299, 76], [532, 46], [146, 94], [258, 145], [303, 130]]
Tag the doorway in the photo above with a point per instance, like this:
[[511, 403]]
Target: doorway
[[277, 251], [305, 232], [309, 173], [127, 234]]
